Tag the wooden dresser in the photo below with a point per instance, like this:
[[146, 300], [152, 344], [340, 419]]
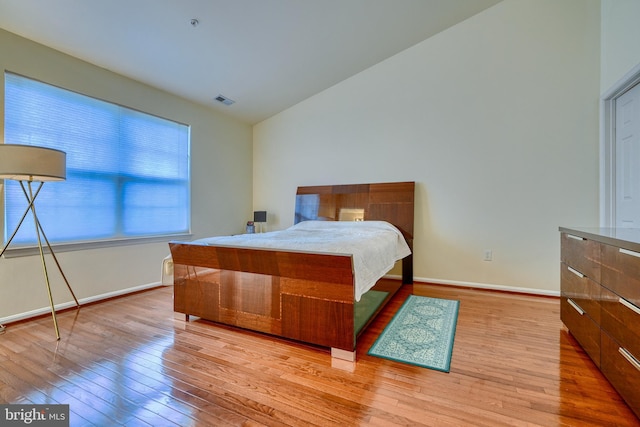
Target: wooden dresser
[[600, 301]]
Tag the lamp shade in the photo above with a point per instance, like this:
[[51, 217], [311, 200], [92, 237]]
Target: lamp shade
[[29, 163], [260, 216]]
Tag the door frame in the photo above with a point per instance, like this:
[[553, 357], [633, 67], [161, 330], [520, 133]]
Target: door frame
[[608, 145]]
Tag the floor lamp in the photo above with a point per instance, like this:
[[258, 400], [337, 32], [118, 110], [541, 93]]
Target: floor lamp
[[29, 164]]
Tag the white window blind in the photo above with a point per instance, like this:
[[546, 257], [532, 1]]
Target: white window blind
[[127, 171]]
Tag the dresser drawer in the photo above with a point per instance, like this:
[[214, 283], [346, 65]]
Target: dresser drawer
[[622, 369], [621, 320], [621, 272], [581, 290], [581, 254], [582, 327]]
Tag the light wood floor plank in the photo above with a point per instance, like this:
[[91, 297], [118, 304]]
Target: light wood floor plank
[[133, 361]]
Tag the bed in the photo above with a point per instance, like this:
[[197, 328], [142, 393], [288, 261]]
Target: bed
[[316, 295]]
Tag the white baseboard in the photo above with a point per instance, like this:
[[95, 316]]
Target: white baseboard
[[477, 285], [46, 310]]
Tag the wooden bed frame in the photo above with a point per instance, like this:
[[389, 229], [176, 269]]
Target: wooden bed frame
[[302, 296]]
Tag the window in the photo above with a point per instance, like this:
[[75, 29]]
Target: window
[[127, 171]]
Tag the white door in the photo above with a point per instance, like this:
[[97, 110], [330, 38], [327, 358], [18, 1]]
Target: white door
[[627, 149]]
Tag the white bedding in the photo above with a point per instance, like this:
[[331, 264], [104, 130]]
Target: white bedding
[[374, 245]]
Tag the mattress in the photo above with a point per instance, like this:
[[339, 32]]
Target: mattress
[[375, 246]]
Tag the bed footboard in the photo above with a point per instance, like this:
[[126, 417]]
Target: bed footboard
[[302, 296]]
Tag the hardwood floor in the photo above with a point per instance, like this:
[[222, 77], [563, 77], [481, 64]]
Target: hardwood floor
[[133, 361]]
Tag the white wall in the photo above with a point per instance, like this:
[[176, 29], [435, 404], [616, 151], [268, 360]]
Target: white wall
[[496, 119], [221, 182], [620, 36]]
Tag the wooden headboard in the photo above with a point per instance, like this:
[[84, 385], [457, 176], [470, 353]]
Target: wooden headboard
[[389, 201]]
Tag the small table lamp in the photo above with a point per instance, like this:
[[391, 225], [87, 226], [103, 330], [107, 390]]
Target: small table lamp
[[25, 163], [259, 217]]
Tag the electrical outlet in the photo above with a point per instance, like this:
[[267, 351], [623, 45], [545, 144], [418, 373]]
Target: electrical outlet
[[488, 255]]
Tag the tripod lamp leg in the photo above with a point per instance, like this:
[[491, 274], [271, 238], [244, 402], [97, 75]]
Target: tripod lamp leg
[[44, 264]]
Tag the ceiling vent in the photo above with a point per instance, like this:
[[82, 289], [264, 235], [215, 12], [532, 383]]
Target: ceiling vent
[[224, 100]]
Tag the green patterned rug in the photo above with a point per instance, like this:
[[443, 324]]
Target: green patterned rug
[[421, 333]]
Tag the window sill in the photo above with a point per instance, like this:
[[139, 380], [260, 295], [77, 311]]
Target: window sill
[[68, 247]]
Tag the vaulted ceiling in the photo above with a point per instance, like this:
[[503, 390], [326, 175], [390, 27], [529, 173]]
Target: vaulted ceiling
[[266, 55]]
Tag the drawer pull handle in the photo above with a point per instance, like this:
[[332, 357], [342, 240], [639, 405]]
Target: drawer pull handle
[[628, 252], [629, 305], [575, 306], [576, 272], [625, 353], [571, 236]]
